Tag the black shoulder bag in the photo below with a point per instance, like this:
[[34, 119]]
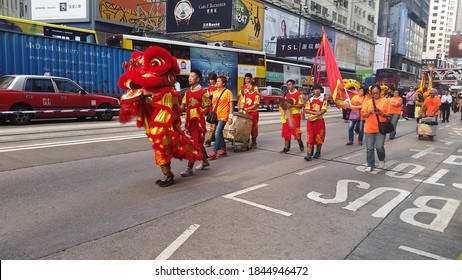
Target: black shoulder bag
[[212, 117], [384, 127]]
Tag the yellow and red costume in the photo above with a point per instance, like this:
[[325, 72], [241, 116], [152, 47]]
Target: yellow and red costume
[[315, 125], [292, 126], [250, 104], [196, 100], [152, 99]]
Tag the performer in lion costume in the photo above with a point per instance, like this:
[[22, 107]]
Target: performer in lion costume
[[151, 98]]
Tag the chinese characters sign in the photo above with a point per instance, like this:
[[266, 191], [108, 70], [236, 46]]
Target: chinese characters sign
[[297, 47]]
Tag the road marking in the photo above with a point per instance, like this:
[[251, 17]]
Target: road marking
[[69, 143], [310, 170], [422, 253], [353, 155], [168, 252], [233, 195]]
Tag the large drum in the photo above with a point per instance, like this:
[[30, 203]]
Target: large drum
[[240, 130]]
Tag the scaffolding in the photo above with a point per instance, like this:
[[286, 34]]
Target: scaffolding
[[150, 18]]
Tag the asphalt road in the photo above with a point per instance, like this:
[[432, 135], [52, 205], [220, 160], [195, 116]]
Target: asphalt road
[[85, 190]]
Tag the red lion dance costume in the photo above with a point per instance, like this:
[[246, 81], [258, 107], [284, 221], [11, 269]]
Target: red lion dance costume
[[149, 81]]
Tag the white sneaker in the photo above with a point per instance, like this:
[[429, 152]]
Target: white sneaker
[[202, 165], [381, 164], [187, 172], [368, 169]]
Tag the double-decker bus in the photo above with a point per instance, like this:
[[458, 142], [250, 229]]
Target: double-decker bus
[[229, 62], [395, 79], [47, 29]]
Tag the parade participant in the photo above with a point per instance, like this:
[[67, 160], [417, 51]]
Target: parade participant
[[446, 103], [196, 103], [248, 77], [152, 99], [250, 104], [421, 95], [212, 77], [316, 107], [375, 139], [396, 102], [223, 102], [430, 106], [356, 120], [295, 117], [410, 103]]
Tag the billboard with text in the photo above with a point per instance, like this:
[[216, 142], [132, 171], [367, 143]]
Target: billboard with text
[[198, 15]]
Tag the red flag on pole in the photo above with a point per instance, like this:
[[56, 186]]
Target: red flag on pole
[[334, 78]]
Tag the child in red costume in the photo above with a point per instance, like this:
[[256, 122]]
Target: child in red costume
[[151, 97], [196, 102]]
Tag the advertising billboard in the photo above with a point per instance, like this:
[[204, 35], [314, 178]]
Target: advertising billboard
[[198, 15], [296, 47], [455, 47], [279, 24], [345, 51], [248, 26], [123, 11], [222, 63], [364, 55], [59, 10]]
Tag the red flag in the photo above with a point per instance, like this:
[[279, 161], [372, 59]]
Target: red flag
[[334, 78]]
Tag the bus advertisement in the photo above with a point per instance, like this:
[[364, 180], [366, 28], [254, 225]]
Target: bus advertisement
[[395, 79], [48, 30], [229, 62]]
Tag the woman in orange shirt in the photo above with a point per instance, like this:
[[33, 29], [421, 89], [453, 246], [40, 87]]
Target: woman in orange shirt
[[223, 101], [396, 102], [375, 139]]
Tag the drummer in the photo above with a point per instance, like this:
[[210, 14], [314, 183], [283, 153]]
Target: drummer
[[249, 105]]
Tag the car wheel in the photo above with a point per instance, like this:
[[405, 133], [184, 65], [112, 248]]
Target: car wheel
[[105, 115], [270, 108], [20, 119], [3, 119]]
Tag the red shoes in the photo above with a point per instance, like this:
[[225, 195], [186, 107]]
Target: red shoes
[[222, 153]]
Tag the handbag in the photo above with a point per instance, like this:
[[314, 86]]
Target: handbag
[[212, 117], [386, 126]]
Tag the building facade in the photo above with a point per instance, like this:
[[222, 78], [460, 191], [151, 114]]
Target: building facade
[[13, 8], [441, 25]]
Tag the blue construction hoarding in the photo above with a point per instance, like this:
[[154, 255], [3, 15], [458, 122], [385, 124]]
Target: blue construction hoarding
[[97, 68]]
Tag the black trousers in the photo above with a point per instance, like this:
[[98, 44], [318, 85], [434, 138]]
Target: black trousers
[[445, 111]]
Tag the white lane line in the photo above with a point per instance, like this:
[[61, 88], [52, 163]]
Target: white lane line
[[422, 253], [249, 189], [264, 207], [354, 155], [310, 170], [68, 143], [168, 252], [233, 195]]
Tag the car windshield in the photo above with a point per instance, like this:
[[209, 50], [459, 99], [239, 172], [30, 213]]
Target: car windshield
[[263, 91], [5, 81]]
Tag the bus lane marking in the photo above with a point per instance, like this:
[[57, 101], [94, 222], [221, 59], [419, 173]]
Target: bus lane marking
[[233, 195], [422, 253], [168, 252], [428, 151]]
